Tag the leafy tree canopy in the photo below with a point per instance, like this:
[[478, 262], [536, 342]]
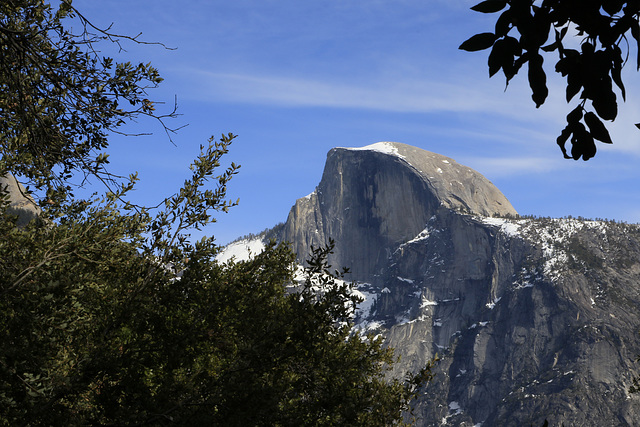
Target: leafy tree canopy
[[111, 315], [117, 319], [527, 30], [60, 98]]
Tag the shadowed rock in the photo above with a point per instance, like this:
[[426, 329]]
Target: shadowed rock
[[20, 203], [534, 319], [373, 198]]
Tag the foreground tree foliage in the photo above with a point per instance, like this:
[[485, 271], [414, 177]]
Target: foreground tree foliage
[[111, 318], [60, 99], [111, 315], [605, 31]]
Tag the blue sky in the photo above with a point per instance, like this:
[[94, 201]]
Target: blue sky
[[294, 79]]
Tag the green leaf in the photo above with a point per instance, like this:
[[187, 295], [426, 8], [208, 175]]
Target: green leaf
[[570, 57], [606, 105], [612, 6], [537, 80], [503, 23], [635, 32], [597, 128], [497, 57], [574, 84], [616, 71], [490, 6], [510, 65], [575, 115], [582, 143], [562, 139], [563, 32], [478, 42]]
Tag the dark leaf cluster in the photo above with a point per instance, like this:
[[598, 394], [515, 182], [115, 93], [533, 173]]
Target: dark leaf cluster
[[111, 314], [61, 98], [111, 317], [526, 30]]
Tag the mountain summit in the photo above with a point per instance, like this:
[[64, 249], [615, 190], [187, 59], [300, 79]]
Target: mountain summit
[[373, 198], [533, 319], [456, 186]]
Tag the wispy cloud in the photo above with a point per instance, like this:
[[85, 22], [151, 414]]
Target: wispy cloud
[[398, 97], [388, 93], [510, 166], [403, 89]]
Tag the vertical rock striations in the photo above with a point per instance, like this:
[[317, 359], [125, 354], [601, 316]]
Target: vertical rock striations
[[533, 319], [374, 198], [20, 203]]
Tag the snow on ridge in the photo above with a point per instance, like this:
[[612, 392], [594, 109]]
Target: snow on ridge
[[423, 235], [365, 306], [381, 147], [363, 314], [508, 227], [567, 227], [242, 250], [455, 407], [561, 231], [493, 303], [425, 303], [552, 235]]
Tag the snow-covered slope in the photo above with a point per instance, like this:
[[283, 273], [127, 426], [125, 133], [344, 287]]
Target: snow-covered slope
[[533, 318], [241, 250]]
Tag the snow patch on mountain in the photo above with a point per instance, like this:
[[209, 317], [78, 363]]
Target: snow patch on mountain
[[508, 227], [554, 237], [242, 250], [381, 147]]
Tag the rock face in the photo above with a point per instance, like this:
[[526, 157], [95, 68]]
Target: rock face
[[533, 319], [372, 199], [20, 203]]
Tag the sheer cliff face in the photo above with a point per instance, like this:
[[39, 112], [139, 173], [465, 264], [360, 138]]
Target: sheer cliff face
[[533, 319], [372, 199], [20, 203]]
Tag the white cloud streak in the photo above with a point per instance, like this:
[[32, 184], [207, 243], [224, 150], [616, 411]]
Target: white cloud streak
[[386, 96], [391, 93], [511, 166], [455, 93]]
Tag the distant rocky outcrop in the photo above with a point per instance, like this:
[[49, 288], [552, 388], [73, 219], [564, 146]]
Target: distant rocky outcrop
[[372, 199], [534, 319], [20, 203]]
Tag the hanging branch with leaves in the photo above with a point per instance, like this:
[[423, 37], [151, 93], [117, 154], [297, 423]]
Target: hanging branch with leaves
[[60, 98], [604, 29]]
